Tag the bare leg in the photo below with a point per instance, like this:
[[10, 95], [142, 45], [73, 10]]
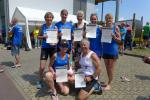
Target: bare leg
[[42, 67], [83, 95], [64, 88], [50, 81], [109, 63], [17, 58]]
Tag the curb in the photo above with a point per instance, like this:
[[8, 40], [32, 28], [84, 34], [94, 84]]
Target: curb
[[17, 85]]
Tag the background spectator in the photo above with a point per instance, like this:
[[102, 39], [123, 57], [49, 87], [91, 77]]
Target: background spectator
[[146, 35], [128, 37]]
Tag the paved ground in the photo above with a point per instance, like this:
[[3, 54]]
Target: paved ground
[[8, 90], [25, 78]]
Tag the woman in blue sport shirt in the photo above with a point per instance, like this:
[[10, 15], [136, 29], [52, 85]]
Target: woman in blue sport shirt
[[47, 50], [60, 59], [64, 24], [110, 50], [95, 43]]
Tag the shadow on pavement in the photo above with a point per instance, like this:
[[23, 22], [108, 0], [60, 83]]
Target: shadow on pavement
[[142, 77], [46, 92], [9, 63], [134, 55], [32, 78], [143, 98], [43, 92]]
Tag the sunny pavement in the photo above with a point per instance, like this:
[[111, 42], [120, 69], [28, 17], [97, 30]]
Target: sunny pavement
[[134, 68]]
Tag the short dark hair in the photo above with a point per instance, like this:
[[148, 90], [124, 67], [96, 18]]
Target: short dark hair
[[93, 14], [147, 23], [64, 10], [64, 43]]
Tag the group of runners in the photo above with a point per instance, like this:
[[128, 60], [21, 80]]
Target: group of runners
[[84, 55]]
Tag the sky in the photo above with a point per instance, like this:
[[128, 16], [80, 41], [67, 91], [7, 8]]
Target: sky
[[127, 8]]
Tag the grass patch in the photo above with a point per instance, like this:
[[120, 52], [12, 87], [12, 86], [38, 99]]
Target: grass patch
[[139, 51]]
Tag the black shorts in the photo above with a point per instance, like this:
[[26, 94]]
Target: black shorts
[[108, 56], [90, 85], [45, 52]]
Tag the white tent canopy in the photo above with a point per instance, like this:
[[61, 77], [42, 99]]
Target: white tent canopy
[[30, 16]]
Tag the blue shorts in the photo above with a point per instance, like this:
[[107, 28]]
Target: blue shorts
[[15, 50], [93, 84], [146, 38]]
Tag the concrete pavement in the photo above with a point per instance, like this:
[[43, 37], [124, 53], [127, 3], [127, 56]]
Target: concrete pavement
[[133, 67], [8, 90]]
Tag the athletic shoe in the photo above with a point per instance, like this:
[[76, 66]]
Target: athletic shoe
[[39, 84]]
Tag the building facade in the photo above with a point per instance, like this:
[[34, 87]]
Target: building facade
[[7, 8]]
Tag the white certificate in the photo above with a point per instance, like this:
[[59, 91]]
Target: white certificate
[[78, 34], [61, 75], [79, 80], [66, 34], [106, 35], [91, 31], [52, 36]]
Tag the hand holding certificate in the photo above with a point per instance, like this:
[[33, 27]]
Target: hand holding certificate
[[66, 34], [61, 75], [52, 36], [79, 80], [78, 34], [106, 35], [91, 31]]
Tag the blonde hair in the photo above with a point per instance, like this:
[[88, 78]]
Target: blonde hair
[[108, 16], [48, 14], [86, 41], [80, 12]]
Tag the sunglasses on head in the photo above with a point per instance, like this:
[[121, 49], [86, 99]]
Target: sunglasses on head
[[64, 46]]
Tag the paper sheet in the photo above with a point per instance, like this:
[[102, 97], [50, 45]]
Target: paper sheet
[[52, 37], [66, 34], [79, 80], [61, 75], [78, 34], [106, 35], [91, 31]]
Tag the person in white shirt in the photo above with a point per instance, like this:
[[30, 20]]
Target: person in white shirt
[[90, 66]]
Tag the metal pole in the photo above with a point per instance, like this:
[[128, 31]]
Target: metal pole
[[133, 27], [6, 10], [102, 11], [117, 10], [141, 35]]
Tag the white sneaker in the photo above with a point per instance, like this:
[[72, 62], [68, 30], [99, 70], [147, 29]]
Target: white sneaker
[[13, 66], [125, 79], [1, 70], [16, 65]]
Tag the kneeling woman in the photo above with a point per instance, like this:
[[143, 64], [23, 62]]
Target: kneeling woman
[[90, 66], [61, 59]]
